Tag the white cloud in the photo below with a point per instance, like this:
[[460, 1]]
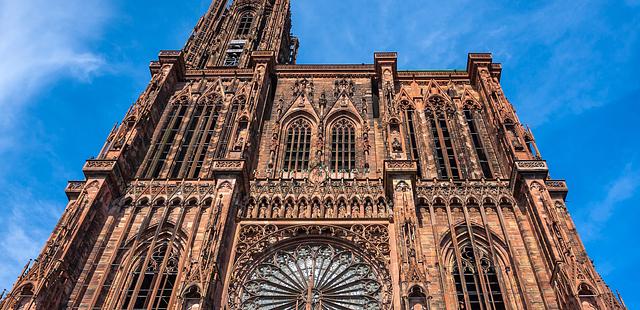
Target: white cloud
[[600, 212], [41, 42], [24, 228]]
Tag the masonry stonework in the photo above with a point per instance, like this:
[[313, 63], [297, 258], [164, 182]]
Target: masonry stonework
[[242, 180]]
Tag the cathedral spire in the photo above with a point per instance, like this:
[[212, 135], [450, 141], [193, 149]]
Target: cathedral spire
[[227, 34]]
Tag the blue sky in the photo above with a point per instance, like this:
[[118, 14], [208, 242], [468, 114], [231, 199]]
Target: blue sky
[[72, 68]]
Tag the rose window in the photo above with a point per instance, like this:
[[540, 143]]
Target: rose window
[[312, 276]]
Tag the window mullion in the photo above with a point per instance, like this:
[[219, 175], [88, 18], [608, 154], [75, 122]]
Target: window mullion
[[342, 148], [443, 146], [303, 148], [289, 150], [296, 148], [452, 149], [349, 129]]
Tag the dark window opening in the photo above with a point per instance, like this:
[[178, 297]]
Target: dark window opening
[[442, 167], [470, 282], [186, 142], [413, 141], [159, 274], [343, 146], [298, 147], [477, 144], [244, 27], [228, 128], [165, 141]]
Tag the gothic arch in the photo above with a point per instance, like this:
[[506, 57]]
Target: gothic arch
[[587, 297], [295, 115], [478, 264], [23, 297], [439, 102], [349, 256], [343, 143], [297, 139], [152, 256], [337, 113], [417, 298]]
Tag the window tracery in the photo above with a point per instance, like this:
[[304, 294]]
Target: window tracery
[[343, 146], [297, 146], [477, 143], [409, 113], [162, 147], [244, 27], [476, 278], [195, 142], [446, 160], [153, 280], [236, 106], [24, 300]]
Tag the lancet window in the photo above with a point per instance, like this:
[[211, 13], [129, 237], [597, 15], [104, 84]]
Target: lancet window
[[195, 142], [229, 122], [343, 146], [152, 282], [244, 27], [411, 132], [186, 140], [476, 279], [446, 161], [477, 143], [162, 147], [298, 146]]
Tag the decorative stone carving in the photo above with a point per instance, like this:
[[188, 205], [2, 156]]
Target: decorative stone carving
[[254, 240]]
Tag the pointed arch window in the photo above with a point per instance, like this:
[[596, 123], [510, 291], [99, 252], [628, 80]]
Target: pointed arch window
[[476, 282], [477, 143], [446, 160], [229, 123], [24, 300], [409, 113], [343, 146], [244, 27], [195, 143], [298, 146], [162, 147], [153, 280]]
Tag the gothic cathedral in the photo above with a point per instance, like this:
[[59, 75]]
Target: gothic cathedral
[[241, 180]]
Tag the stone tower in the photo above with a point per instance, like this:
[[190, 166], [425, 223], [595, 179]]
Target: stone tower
[[241, 180]]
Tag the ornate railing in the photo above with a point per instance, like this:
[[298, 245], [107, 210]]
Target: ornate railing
[[328, 199], [168, 191], [478, 191]]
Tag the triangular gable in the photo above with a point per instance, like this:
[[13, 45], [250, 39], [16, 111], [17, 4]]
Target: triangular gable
[[342, 105], [302, 104]]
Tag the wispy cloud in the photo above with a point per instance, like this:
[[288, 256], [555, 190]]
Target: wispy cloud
[[566, 48], [600, 212], [23, 228], [42, 42]]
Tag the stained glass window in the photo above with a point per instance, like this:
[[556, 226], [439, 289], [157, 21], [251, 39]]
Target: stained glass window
[[312, 276]]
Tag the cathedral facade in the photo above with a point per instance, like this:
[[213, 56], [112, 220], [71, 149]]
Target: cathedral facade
[[242, 180]]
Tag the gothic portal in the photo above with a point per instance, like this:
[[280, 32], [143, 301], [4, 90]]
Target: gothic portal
[[241, 180]]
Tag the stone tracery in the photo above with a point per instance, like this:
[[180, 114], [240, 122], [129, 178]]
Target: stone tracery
[[324, 252]]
